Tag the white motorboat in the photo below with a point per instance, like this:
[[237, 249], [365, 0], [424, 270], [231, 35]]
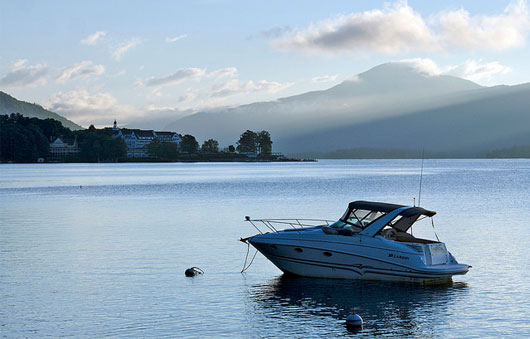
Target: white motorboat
[[370, 241]]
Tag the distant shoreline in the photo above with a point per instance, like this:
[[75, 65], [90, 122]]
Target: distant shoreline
[[123, 161], [238, 160], [222, 160], [514, 152]]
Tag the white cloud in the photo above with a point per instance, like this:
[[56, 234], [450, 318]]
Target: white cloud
[[82, 69], [324, 78], [100, 108], [235, 87], [18, 64], [353, 78], [385, 31], [177, 38], [124, 48], [155, 117], [23, 75], [92, 39], [423, 65], [79, 102], [398, 28], [88, 108], [497, 32], [181, 75], [187, 97], [474, 70], [229, 72]]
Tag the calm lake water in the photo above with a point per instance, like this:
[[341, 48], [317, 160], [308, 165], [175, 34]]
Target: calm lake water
[[96, 250]]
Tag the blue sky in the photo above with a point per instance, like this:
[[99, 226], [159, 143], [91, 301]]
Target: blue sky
[[132, 60]]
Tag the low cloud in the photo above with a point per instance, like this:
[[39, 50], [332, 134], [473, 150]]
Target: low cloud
[[124, 48], [23, 75], [92, 39], [353, 78], [154, 117], [80, 102], [474, 70], [398, 28], [324, 78], [82, 69], [235, 87], [88, 108], [187, 97], [181, 75], [423, 65], [229, 72], [100, 108], [177, 38]]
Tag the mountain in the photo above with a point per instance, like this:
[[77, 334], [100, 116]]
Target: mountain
[[489, 119], [9, 105], [393, 105]]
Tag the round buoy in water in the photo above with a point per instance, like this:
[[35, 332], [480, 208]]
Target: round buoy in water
[[193, 271], [354, 321]]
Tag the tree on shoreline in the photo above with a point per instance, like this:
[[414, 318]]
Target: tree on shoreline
[[163, 150], [210, 146], [97, 145], [253, 142], [264, 143], [24, 139], [189, 144], [248, 142]]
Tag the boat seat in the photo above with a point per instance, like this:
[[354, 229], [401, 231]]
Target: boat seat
[[395, 235], [407, 237]]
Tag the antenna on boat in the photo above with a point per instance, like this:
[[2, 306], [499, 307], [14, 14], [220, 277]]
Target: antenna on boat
[[421, 175]]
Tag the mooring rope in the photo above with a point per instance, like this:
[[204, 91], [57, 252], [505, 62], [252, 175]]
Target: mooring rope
[[245, 267]]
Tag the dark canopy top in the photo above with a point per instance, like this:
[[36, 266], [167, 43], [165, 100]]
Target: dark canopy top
[[386, 208]]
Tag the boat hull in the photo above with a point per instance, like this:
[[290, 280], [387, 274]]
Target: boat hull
[[312, 258]]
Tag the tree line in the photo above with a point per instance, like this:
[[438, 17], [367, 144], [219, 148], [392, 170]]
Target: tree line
[[258, 143], [24, 139]]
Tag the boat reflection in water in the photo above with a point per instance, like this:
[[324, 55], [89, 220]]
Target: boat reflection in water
[[314, 307]]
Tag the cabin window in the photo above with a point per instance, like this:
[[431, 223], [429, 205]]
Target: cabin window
[[361, 218]]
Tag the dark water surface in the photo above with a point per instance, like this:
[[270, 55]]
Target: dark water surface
[[95, 250]]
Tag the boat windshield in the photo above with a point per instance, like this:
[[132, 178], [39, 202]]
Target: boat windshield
[[360, 217]]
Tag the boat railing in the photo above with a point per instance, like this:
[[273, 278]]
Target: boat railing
[[272, 225]]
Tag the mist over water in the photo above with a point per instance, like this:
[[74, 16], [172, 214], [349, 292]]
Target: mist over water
[[100, 249]]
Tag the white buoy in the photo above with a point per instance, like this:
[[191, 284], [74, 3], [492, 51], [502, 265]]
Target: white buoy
[[354, 320]]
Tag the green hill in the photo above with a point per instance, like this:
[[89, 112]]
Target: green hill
[[9, 105]]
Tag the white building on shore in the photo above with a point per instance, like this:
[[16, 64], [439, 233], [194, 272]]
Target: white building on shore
[[137, 140], [62, 148]]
